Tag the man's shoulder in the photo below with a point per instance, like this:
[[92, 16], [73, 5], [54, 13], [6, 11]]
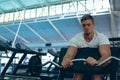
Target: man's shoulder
[[79, 34], [99, 34]]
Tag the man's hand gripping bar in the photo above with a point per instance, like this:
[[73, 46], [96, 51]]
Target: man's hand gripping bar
[[83, 59]]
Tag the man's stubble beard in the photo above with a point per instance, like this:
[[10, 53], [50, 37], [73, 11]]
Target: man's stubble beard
[[86, 34]]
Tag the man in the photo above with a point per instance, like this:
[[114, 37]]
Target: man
[[88, 38]]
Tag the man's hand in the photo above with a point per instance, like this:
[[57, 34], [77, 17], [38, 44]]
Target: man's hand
[[91, 61], [66, 63]]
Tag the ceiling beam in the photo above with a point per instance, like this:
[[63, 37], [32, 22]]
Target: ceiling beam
[[18, 35], [2, 11], [67, 11], [13, 6], [41, 37], [3, 38], [112, 18], [19, 2], [2, 1], [114, 21], [40, 3], [53, 46], [79, 21], [58, 31]]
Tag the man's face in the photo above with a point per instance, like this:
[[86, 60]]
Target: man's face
[[87, 26]]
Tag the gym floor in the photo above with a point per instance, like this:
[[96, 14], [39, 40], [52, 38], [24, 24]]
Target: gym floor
[[28, 78], [43, 77]]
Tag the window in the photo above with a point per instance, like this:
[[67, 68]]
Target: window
[[58, 9], [98, 4], [105, 4], [45, 11], [65, 8], [39, 12], [32, 13], [11, 16], [27, 14], [52, 10], [81, 6], [6, 17], [16, 16], [1, 17], [75, 6], [89, 5]]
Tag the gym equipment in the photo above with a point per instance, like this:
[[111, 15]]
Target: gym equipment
[[86, 69], [56, 56], [115, 42], [20, 50], [4, 46], [34, 65]]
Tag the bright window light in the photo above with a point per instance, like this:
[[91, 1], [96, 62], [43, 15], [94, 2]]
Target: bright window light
[[81, 6], [39, 12]]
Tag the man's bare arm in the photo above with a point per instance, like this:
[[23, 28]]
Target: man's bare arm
[[70, 54], [105, 53]]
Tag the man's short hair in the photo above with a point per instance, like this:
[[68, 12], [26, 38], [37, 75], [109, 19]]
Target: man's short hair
[[86, 17]]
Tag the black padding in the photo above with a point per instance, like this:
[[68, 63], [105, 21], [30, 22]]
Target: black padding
[[93, 52], [35, 67]]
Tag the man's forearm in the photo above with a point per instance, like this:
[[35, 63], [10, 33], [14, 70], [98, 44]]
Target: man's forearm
[[71, 52], [103, 58]]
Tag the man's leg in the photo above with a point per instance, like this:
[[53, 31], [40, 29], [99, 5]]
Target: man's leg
[[77, 76], [97, 77]]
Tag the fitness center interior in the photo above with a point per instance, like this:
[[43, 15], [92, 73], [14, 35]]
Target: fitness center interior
[[34, 37]]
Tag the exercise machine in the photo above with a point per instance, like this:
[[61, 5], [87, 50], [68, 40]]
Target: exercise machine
[[56, 56], [14, 51], [97, 69], [34, 65]]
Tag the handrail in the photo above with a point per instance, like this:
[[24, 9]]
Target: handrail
[[109, 58], [83, 59]]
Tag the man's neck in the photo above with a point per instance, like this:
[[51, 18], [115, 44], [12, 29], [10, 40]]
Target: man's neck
[[88, 36]]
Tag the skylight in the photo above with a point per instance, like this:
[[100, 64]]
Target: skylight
[[75, 7]]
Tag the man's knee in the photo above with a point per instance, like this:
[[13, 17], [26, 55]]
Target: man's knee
[[77, 76], [97, 77]]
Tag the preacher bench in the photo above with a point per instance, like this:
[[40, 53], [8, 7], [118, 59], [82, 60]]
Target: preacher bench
[[83, 53]]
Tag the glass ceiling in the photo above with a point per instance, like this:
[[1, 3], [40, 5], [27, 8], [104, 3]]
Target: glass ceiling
[[76, 7]]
